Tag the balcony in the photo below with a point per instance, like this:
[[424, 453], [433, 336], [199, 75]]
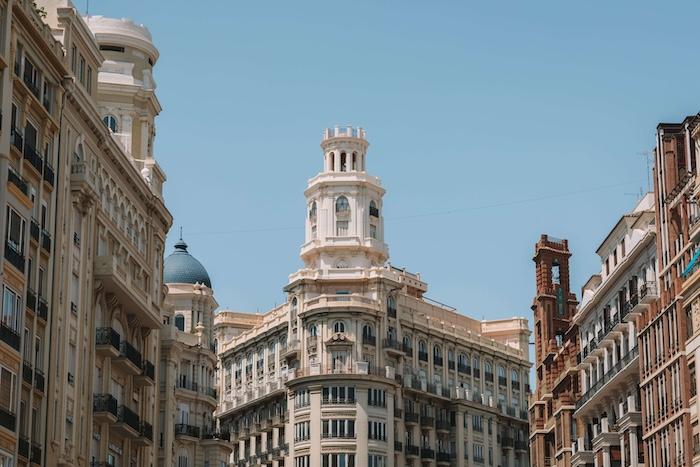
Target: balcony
[[392, 346], [30, 83], [502, 381], [443, 425], [16, 139], [23, 447], [398, 413], [427, 453], [129, 293], [14, 256], [33, 157], [9, 336], [338, 435], [437, 361], [48, 173], [14, 178], [128, 423], [450, 364], [145, 437], [39, 380], [407, 349], [444, 457], [411, 417], [422, 356], [427, 421], [45, 241], [369, 340], [7, 419], [292, 350], [27, 372], [413, 451], [224, 436], [626, 368], [43, 308], [477, 372], [107, 342], [34, 230], [104, 408], [31, 299], [488, 377], [35, 454], [147, 377], [398, 446], [464, 369], [82, 179]]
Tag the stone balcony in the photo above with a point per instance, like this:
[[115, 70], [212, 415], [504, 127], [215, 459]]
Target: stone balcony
[[130, 294]]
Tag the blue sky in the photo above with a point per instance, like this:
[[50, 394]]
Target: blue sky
[[489, 123]]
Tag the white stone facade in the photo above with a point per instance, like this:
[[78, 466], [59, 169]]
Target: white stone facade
[[358, 367]]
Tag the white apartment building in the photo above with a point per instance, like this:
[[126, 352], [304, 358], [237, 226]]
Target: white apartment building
[[609, 412], [359, 367]]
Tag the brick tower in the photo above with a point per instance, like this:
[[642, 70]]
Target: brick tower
[[552, 428]]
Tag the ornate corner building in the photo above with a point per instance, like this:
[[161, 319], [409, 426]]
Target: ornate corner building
[[552, 404], [359, 367]]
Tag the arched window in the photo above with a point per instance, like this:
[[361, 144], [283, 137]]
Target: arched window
[[437, 351], [476, 363], [110, 122], [515, 376], [342, 205], [312, 211], [312, 330], [501, 371], [339, 326], [343, 162], [422, 346], [180, 322], [391, 334], [450, 355], [373, 210], [331, 164], [367, 330], [354, 161]]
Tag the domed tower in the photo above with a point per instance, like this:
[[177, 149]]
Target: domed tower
[[126, 90], [189, 362], [344, 225]]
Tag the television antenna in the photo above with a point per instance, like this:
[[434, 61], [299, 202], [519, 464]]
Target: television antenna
[[647, 157]]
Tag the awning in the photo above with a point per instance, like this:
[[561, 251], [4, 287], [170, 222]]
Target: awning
[[693, 262]]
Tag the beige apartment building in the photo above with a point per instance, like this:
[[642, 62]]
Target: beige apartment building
[[359, 367], [84, 225]]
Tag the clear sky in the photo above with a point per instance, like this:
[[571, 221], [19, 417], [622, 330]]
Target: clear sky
[[489, 123]]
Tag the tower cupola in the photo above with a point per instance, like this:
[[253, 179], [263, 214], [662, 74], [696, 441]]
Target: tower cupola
[[344, 225]]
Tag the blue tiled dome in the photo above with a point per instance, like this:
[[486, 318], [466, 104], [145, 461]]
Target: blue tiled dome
[[182, 268]]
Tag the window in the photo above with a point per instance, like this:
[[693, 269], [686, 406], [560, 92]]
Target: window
[[367, 331], [180, 322], [302, 398], [342, 205], [302, 431], [375, 460], [391, 305], [301, 461], [339, 428], [407, 344], [313, 212], [293, 310], [373, 210], [478, 423], [437, 351], [555, 273], [376, 397], [7, 390], [81, 71], [338, 460], [343, 162], [112, 48], [342, 228], [338, 395], [14, 236], [74, 59], [312, 330], [89, 80], [376, 430], [11, 309], [339, 326], [110, 122], [373, 231]]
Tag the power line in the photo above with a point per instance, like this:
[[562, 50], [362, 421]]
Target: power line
[[512, 202]]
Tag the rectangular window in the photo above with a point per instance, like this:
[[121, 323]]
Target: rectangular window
[[89, 80], [338, 395], [376, 397], [342, 228], [373, 231], [15, 231], [338, 460], [7, 390], [11, 309], [74, 59], [81, 71]]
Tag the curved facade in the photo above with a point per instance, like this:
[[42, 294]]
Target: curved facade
[[358, 367]]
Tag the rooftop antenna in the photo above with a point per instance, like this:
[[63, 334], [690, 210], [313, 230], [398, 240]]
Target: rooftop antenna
[[87, 7], [647, 158], [180, 233]]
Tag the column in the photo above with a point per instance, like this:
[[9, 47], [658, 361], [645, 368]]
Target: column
[[361, 434], [390, 424], [315, 426], [459, 428]]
